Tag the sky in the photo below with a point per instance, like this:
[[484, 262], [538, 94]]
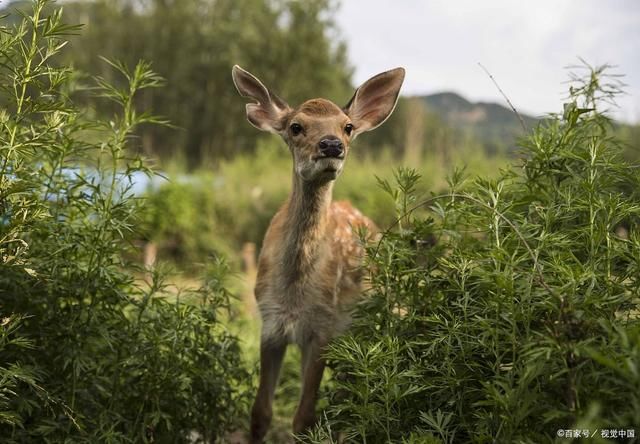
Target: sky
[[525, 45]]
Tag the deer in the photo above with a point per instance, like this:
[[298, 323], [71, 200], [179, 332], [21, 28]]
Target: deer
[[310, 272]]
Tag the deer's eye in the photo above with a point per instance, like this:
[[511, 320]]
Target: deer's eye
[[295, 128], [348, 129]]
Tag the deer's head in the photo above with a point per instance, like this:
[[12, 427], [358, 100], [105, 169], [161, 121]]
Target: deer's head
[[318, 132]]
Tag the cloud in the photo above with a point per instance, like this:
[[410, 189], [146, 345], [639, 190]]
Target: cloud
[[525, 45]]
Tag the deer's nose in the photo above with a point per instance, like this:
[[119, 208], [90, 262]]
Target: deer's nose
[[331, 146]]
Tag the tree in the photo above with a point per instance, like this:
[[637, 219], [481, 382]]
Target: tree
[[194, 44]]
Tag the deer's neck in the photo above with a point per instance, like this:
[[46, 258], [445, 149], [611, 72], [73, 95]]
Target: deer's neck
[[307, 218]]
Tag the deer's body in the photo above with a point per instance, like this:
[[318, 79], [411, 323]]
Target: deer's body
[[309, 270]]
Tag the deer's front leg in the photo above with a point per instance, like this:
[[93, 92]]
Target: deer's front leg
[[312, 368], [271, 353]]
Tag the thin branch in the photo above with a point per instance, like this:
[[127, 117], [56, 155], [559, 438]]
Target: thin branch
[[513, 108]]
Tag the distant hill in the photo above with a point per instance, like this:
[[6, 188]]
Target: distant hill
[[493, 124]]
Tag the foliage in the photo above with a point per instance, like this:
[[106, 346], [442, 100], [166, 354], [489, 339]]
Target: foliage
[[523, 318], [16, 376], [89, 353], [180, 218], [293, 46]]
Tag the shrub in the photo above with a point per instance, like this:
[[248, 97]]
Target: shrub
[[180, 217], [90, 354], [523, 318]]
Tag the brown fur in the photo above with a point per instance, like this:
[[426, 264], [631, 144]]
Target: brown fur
[[319, 108], [309, 270]]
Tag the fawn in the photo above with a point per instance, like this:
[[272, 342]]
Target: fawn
[[309, 268]]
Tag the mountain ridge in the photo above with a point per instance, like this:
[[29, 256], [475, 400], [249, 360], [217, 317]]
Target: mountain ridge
[[494, 124]]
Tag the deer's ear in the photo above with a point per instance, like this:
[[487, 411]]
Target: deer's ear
[[270, 111], [374, 101]]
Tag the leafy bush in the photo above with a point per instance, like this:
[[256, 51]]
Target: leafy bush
[[90, 354], [180, 217], [523, 318]]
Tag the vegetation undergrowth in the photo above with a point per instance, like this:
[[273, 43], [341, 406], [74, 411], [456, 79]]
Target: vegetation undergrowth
[[88, 353], [523, 318]]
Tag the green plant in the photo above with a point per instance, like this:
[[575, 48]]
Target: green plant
[[523, 318], [88, 352], [195, 45], [180, 216], [16, 377]]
